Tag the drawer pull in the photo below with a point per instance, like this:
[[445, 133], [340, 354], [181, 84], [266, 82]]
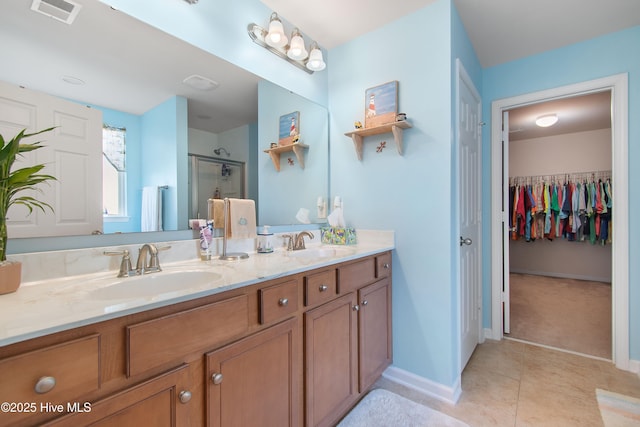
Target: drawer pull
[[45, 385], [323, 288], [283, 302], [385, 265], [216, 378], [356, 307], [185, 396], [365, 302]]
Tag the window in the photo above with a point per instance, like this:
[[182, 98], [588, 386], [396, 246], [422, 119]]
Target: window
[[114, 172]]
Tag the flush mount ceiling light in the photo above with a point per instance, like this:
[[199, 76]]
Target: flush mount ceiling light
[[200, 83], [275, 41], [547, 120]]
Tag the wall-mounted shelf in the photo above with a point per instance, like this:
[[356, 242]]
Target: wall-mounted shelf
[[396, 128], [297, 148]]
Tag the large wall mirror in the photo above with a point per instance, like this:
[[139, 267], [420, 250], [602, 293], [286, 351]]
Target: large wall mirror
[[125, 68]]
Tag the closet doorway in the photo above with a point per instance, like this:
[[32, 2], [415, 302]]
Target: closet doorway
[[617, 85], [560, 205]]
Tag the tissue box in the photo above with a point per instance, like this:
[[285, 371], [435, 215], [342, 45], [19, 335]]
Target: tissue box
[[338, 235]]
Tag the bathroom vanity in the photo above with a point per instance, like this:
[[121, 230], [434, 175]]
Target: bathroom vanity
[[298, 344]]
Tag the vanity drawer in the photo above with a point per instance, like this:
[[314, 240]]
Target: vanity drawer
[[159, 341], [319, 287], [355, 275], [383, 265], [278, 301], [71, 368]]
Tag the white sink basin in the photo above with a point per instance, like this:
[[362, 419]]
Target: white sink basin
[[322, 252], [155, 284]]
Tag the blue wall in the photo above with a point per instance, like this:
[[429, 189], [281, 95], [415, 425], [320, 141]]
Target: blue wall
[[600, 57], [412, 194]]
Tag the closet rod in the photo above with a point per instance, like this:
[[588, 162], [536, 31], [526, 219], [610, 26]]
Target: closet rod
[[562, 177]]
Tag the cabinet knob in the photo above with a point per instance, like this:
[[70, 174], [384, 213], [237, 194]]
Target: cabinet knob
[[356, 307], [185, 396], [323, 288], [45, 385], [216, 378], [385, 265], [283, 302], [365, 302]]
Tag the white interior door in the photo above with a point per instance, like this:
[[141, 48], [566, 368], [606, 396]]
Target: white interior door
[[72, 153], [469, 131], [506, 308]]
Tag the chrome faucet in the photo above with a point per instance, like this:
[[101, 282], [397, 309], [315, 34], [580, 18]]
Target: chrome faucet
[[142, 266], [299, 240]]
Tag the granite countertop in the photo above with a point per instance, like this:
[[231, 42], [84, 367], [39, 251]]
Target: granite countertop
[[46, 306]]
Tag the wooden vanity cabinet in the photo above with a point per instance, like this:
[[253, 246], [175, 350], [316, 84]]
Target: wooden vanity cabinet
[[348, 340], [256, 381], [297, 350], [161, 401]]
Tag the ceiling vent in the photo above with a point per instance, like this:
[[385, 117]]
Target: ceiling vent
[[62, 10]]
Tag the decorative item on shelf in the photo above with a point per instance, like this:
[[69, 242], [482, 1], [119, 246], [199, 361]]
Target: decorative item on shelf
[[289, 128], [401, 117], [275, 41], [381, 146], [381, 104], [357, 124], [273, 145], [12, 183]]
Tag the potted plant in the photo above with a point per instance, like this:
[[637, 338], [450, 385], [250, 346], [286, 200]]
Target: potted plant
[[12, 184]]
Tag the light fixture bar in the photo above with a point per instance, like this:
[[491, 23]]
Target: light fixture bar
[[257, 34]]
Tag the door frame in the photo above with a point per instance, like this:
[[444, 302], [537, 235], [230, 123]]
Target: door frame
[[618, 85]]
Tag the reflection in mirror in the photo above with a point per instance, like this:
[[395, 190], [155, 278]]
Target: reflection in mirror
[[129, 69], [290, 195]]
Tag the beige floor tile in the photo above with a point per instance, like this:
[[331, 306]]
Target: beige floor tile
[[513, 384]]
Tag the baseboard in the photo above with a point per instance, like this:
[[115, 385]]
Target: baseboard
[[562, 275], [423, 385], [634, 366]]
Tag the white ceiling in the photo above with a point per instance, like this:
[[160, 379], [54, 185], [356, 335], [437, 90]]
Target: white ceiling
[[500, 30]]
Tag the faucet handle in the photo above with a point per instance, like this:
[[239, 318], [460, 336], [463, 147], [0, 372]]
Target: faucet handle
[[290, 238], [126, 269]]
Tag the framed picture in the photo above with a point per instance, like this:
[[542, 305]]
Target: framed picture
[[289, 128], [381, 104]]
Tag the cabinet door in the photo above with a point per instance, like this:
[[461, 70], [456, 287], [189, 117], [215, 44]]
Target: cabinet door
[[374, 331], [255, 381], [161, 401], [331, 360]]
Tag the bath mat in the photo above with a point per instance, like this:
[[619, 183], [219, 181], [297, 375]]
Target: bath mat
[[382, 408], [618, 410]]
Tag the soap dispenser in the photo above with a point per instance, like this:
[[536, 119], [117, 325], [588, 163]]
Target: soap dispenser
[[265, 241]]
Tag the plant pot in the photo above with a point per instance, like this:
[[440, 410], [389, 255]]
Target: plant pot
[[10, 276]]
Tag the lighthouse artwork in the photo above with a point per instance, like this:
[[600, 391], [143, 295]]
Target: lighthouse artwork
[[289, 128], [381, 104]]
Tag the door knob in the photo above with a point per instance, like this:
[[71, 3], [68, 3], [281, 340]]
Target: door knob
[[464, 241]]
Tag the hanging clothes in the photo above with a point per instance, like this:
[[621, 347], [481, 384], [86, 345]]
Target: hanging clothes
[[574, 207]]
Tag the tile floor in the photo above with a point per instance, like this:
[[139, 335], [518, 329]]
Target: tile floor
[[510, 383]]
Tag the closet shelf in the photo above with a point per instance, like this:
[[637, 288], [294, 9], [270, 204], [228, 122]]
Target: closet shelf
[[297, 148], [396, 128]]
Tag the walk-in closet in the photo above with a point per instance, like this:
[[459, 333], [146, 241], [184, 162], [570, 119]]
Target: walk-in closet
[[560, 225]]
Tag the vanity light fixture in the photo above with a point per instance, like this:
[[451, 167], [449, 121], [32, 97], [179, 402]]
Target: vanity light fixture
[[547, 120], [275, 41]]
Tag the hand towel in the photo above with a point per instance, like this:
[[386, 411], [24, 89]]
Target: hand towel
[[241, 219], [151, 210], [216, 212]]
